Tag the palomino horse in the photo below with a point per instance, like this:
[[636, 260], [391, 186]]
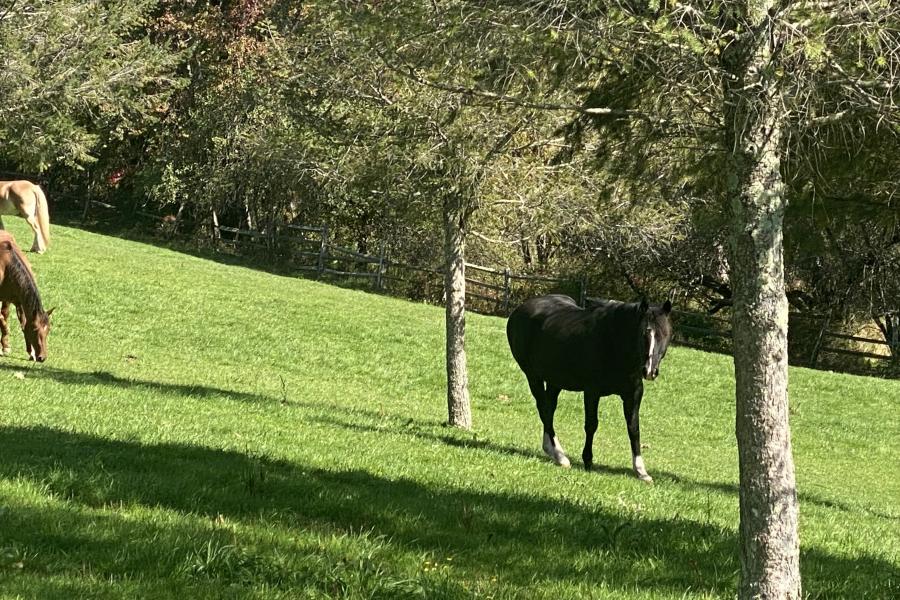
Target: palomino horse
[[17, 286], [25, 199], [601, 350]]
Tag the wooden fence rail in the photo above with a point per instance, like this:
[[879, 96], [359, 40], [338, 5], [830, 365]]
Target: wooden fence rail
[[493, 290], [689, 333], [309, 250], [328, 255]]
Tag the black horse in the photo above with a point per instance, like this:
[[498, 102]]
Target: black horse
[[601, 350]]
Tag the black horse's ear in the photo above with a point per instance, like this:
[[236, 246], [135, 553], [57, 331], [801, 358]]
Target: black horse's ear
[[667, 307], [644, 305]]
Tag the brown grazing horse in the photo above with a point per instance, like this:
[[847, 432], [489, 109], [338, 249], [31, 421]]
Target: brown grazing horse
[[17, 286], [27, 200]]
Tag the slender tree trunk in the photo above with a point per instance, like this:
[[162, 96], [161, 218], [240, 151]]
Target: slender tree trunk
[[460, 413], [753, 119]]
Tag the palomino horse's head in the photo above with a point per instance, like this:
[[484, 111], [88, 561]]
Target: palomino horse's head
[[36, 328], [657, 332]]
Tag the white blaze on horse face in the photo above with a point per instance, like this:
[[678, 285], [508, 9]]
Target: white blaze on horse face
[[554, 450], [648, 369]]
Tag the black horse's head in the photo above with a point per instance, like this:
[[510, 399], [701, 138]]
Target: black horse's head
[[656, 332]]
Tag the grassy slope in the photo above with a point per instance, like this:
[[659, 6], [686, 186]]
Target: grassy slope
[[205, 430]]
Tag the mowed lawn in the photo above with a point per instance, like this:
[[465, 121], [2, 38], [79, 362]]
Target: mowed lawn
[[210, 431]]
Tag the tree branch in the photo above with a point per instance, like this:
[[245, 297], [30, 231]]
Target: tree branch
[[411, 73]]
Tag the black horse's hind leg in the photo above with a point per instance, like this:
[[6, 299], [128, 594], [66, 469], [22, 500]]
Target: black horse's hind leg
[[549, 410], [591, 404], [631, 405], [546, 399], [539, 392]]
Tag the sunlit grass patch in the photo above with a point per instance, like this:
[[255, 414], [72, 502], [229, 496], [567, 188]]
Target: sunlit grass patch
[[203, 430]]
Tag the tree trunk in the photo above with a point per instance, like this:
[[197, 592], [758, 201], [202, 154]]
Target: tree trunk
[[460, 413], [769, 541]]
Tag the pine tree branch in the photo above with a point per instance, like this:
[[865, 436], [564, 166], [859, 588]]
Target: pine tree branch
[[411, 73]]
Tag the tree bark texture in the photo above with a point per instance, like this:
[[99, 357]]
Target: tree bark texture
[[769, 541], [455, 214]]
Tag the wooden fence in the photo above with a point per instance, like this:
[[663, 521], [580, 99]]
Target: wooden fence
[[311, 250], [497, 291], [810, 343]]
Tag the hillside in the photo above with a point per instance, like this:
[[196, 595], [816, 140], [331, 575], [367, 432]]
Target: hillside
[[206, 430]]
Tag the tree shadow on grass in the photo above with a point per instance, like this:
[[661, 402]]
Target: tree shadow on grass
[[466, 440], [95, 378], [398, 425], [517, 537], [65, 550]]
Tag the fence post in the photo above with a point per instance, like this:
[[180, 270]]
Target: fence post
[[271, 240], [379, 283], [506, 291], [815, 352], [177, 219], [216, 234], [582, 292], [895, 336], [320, 266], [87, 206]]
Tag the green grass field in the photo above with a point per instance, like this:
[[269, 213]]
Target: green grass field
[[210, 431]]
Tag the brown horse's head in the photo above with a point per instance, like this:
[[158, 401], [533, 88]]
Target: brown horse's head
[[36, 328]]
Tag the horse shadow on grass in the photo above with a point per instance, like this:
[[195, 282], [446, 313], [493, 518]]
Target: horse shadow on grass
[[516, 537], [417, 429]]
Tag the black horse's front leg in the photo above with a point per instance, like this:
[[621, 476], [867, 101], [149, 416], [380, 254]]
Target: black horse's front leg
[[631, 404], [591, 404], [4, 328]]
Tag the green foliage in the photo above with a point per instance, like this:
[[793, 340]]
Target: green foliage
[[365, 116], [234, 434], [78, 75]]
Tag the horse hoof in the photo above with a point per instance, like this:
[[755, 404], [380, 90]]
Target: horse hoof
[[555, 451], [560, 459], [637, 462]]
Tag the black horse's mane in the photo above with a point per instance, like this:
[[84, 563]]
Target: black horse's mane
[[591, 303]]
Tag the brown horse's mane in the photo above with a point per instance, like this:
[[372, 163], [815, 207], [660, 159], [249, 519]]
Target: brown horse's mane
[[19, 269]]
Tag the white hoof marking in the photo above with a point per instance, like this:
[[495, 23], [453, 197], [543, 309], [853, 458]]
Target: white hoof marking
[[554, 450], [639, 469]]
